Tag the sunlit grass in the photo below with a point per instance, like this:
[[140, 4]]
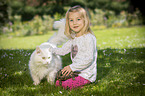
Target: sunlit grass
[[121, 38], [28, 42], [120, 65], [106, 38]]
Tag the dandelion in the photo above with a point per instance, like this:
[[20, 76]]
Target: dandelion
[[11, 54], [124, 50], [18, 73], [128, 53], [108, 65], [40, 32], [33, 88], [29, 54], [2, 77], [105, 18], [127, 37], [110, 54], [60, 92], [5, 75], [104, 42], [5, 29], [103, 51], [10, 23], [11, 29]]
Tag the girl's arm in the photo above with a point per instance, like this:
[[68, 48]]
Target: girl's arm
[[66, 48]]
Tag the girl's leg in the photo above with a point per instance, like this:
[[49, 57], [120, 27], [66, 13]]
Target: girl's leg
[[71, 84]]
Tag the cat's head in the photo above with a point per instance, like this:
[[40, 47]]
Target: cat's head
[[43, 55]]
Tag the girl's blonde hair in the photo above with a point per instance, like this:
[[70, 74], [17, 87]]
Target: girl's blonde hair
[[86, 29]]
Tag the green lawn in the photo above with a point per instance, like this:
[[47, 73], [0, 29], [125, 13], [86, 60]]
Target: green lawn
[[121, 65]]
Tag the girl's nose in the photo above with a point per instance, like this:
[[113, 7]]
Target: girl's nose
[[74, 22]]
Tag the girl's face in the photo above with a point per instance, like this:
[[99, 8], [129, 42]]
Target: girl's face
[[76, 22]]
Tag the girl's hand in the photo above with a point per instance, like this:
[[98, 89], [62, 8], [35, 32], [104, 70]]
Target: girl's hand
[[66, 70]]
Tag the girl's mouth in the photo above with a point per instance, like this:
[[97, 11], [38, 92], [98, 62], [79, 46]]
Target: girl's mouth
[[76, 26]]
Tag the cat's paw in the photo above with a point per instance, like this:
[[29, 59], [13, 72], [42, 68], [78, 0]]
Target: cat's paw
[[36, 83], [50, 81]]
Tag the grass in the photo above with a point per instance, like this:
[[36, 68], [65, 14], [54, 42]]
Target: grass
[[28, 42], [121, 65]]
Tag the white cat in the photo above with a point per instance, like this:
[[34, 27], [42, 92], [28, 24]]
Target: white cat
[[44, 64]]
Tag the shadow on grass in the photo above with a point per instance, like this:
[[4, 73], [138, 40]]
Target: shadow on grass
[[120, 71]]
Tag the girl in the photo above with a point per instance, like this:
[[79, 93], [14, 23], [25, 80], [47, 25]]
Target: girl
[[82, 45]]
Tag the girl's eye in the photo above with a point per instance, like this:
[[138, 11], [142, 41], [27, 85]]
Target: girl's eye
[[43, 57], [71, 20], [79, 19], [48, 57]]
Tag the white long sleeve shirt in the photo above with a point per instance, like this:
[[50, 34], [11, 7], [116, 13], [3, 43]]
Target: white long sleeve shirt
[[83, 55]]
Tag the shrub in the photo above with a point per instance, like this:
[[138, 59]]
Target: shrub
[[110, 19], [37, 26], [100, 19]]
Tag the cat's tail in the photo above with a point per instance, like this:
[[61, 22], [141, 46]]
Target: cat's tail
[[59, 24], [59, 37]]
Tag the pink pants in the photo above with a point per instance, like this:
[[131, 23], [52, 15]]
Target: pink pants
[[71, 84]]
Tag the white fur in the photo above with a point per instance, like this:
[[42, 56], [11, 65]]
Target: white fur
[[59, 37], [48, 67]]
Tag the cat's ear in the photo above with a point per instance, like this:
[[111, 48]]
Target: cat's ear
[[50, 49], [38, 50]]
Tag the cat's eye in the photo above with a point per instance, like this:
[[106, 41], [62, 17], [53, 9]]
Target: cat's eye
[[48, 57], [43, 57]]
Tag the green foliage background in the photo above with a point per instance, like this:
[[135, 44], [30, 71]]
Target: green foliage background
[[120, 65], [120, 43]]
